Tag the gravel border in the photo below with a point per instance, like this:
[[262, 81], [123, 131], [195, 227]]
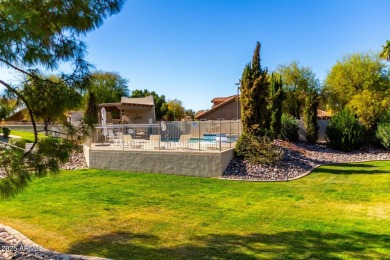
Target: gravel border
[[299, 160], [14, 245]]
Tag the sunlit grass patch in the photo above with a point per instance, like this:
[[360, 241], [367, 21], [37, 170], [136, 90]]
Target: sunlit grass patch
[[332, 213]]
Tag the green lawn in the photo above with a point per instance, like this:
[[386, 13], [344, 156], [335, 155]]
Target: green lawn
[[28, 135], [337, 212]]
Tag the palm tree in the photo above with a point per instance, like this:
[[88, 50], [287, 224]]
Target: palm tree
[[385, 54]]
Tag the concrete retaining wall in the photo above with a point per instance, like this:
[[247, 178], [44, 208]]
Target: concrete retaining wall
[[211, 164], [24, 127], [86, 154]]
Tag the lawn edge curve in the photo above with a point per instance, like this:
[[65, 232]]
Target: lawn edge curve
[[26, 242]]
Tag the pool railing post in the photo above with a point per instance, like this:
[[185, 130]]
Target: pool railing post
[[220, 136], [123, 145], [230, 134], [159, 143], [199, 135], [238, 128]]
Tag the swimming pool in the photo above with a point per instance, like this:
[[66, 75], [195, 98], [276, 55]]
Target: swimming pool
[[206, 138]]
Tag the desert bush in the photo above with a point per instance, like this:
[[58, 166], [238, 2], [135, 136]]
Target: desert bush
[[289, 131], [344, 131], [383, 134], [258, 150], [383, 130], [49, 153], [6, 131], [19, 142]]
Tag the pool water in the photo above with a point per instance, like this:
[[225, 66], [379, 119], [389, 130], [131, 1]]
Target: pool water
[[192, 140], [206, 138]]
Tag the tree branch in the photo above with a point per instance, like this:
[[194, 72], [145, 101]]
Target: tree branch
[[27, 73], [18, 69], [11, 89]]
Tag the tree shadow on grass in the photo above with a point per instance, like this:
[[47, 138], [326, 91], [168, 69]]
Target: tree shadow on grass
[[352, 168], [285, 245], [355, 165]]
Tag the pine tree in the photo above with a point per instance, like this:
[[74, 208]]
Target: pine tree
[[254, 93], [310, 113], [45, 35]]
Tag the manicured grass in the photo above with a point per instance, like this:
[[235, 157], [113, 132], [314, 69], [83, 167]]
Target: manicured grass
[[337, 212], [28, 135]]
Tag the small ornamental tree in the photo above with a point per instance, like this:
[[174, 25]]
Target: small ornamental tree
[[310, 114], [51, 98]]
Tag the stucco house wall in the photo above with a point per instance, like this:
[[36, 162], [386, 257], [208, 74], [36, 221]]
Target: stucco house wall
[[226, 112], [131, 111]]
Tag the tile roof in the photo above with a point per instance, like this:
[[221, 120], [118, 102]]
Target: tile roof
[[226, 101]]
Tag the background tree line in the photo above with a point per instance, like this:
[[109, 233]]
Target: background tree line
[[356, 90], [103, 87]]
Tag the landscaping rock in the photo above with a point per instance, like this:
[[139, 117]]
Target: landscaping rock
[[76, 162], [298, 159], [12, 247]]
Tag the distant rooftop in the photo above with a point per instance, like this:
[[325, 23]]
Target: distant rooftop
[[141, 101]]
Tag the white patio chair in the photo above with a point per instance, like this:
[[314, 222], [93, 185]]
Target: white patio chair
[[110, 135], [156, 142], [55, 132], [184, 142], [128, 141], [118, 138]]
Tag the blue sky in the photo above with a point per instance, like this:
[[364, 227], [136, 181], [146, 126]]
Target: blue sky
[[195, 50]]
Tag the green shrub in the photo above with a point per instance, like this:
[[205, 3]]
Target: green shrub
[[12, 164], [6, 131], [383, 130], [19, 142], [310, 111], [383, 134], [49, 153], [344, 131], [52, 147], [258, 150], [290, 128]]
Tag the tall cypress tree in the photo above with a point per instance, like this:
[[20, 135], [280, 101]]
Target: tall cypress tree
[[91, 111], [310, 113], [254, 93], [276, 97]]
